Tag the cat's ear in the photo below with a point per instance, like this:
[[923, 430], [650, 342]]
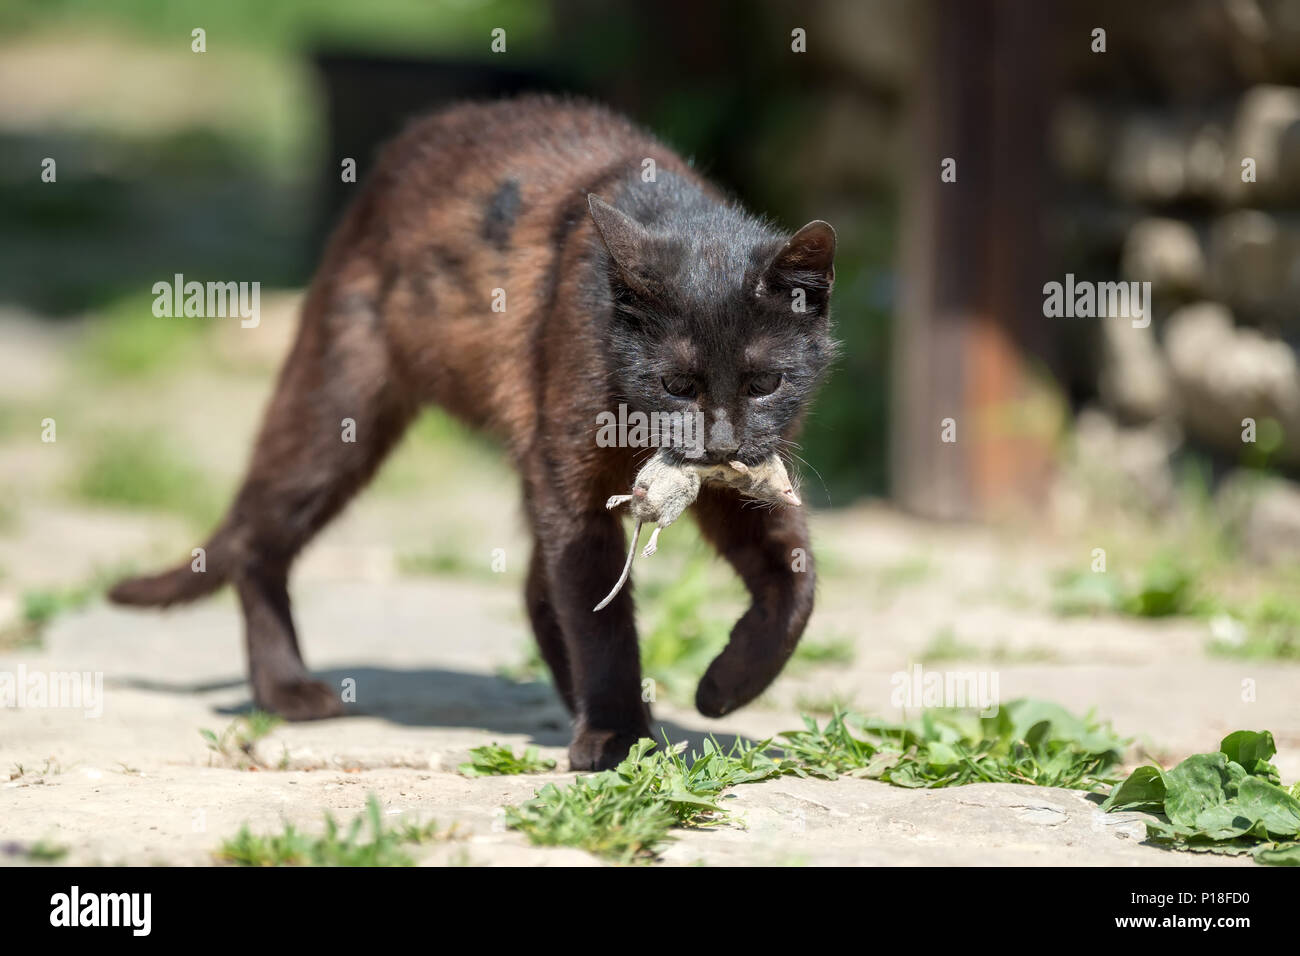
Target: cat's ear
[[626, 240], [807, 262]]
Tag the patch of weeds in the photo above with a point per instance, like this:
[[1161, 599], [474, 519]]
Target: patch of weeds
[[127, 341], [446, 562], [820, 705], [1268, 627], [336, 846], [530, 667], [437, 445], [42, 851], [141, 471], [1167, 587], [682, 636], [944, 646], [904, 574], [1230, 801], [831, 650], [498, 760], [1029, 741], [51, 767], [40, 607], [626, 814], [237, 743]]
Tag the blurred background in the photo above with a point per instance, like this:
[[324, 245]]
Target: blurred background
[[1111, 156]]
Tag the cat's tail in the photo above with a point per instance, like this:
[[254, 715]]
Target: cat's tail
[[207, 570], [627, 567]]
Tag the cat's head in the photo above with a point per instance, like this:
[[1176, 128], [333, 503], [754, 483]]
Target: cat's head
[[718, 317]]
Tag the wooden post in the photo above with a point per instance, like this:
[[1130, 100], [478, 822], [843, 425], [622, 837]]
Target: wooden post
[[970, 313]]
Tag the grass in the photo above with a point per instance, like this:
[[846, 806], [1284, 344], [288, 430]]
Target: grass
[[446, 562], [1267, 627], [128, 342], [627, 814], [683, 634], [41, 606], [136, 470], [497, 760], [1166, 586], [946, 646], [337, 846], [823, 704], [904, 573], [42, 851], [237, 743], [51, 767], [824, 651]]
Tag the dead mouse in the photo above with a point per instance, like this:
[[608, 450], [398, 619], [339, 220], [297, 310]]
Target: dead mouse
[[663, 490], [767, 481]]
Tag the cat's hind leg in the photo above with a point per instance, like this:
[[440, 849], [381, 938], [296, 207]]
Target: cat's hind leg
[[337, 409]]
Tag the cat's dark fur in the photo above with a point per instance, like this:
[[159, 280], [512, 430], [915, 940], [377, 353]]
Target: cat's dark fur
[[616, 289]]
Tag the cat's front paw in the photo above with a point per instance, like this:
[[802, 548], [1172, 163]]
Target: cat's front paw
[[601, 749]]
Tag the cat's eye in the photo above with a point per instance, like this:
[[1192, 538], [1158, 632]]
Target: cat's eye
[[680, 386], [765, 384]]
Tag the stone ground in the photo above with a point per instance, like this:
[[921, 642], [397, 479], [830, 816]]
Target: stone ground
[[138, 784]]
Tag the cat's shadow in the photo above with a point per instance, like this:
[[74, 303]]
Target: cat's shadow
[[434, 697]]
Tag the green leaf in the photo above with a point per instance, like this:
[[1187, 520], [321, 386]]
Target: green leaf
[[1252, 749], [1194, 786], [1143, 790], [1277, 810], [1285, 854]]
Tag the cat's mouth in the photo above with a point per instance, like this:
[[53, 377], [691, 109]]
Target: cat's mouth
[[681, 455]]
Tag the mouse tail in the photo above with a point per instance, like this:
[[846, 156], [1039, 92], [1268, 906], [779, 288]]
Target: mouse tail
[[627, 567]]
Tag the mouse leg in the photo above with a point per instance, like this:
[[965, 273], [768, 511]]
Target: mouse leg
[[617, 500], [770, 551], [652, 545]]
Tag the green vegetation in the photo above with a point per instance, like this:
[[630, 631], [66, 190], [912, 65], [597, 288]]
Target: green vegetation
[[683, 634], [1267, 627], [946, 646], [383, 25], [1230, 801], [497, 760], [1167, 586], [336, 847], [626, 814], [821, 651], [138, 470], [40, 606], [127, 341], [236, 743], [42, 851], [1028, 741]]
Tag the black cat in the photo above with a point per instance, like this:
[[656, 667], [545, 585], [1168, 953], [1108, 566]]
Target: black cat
[[527, 265]]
